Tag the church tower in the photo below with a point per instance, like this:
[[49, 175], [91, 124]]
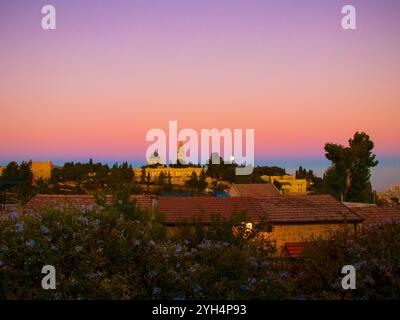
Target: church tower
[[181, 152]]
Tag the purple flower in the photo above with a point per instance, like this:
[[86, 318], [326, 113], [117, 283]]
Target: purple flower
[[359, 265], [263, 264], [14, 215], [252, 281], [1, 263], [178, 248], [19, 227], [205, 244], [244, 287], [44, 229], [30, 243]]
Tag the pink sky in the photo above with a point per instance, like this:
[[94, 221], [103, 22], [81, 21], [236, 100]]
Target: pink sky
[[93, 87]]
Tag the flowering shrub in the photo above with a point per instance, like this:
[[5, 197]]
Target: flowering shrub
[[373, 251], [107, 255], [114, 255]]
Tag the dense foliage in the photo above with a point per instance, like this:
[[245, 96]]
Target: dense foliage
[[349, 175], [123, 253]]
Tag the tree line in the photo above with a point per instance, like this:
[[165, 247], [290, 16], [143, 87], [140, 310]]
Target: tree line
[[347, 178]]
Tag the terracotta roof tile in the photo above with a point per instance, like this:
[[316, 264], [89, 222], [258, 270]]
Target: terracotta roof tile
[[378, 215], [306, 209], [186, 209], [253, 190], [275, 209], [82, 202]]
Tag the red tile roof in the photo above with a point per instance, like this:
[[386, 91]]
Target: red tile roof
[[253, 190], [306, 209], [276, 209], [378, 215], [81, 202], [186, 209], [294, 249]]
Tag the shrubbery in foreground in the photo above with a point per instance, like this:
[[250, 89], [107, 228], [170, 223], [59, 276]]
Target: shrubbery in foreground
[[121, 253]]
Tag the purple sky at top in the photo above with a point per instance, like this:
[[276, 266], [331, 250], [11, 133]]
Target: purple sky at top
[[114, 69]]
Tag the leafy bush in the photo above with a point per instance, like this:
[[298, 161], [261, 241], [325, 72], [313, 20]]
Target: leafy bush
[[373, 251], [123, 253]]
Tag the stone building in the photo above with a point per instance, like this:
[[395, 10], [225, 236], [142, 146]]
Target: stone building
[[41, 169], [178, 175], [289, 184]]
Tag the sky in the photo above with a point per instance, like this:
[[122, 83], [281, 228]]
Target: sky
[[112, 70]]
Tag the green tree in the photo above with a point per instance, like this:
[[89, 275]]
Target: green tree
[[22, 176], [169, 187], [202, 183], [193, 182], [162, 177], [143, 176], [301, 173], [148, 181], [11, 172], [349, 174]]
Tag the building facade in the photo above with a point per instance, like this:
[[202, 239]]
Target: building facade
[[289, 184], [40, 170], [178, 175]]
